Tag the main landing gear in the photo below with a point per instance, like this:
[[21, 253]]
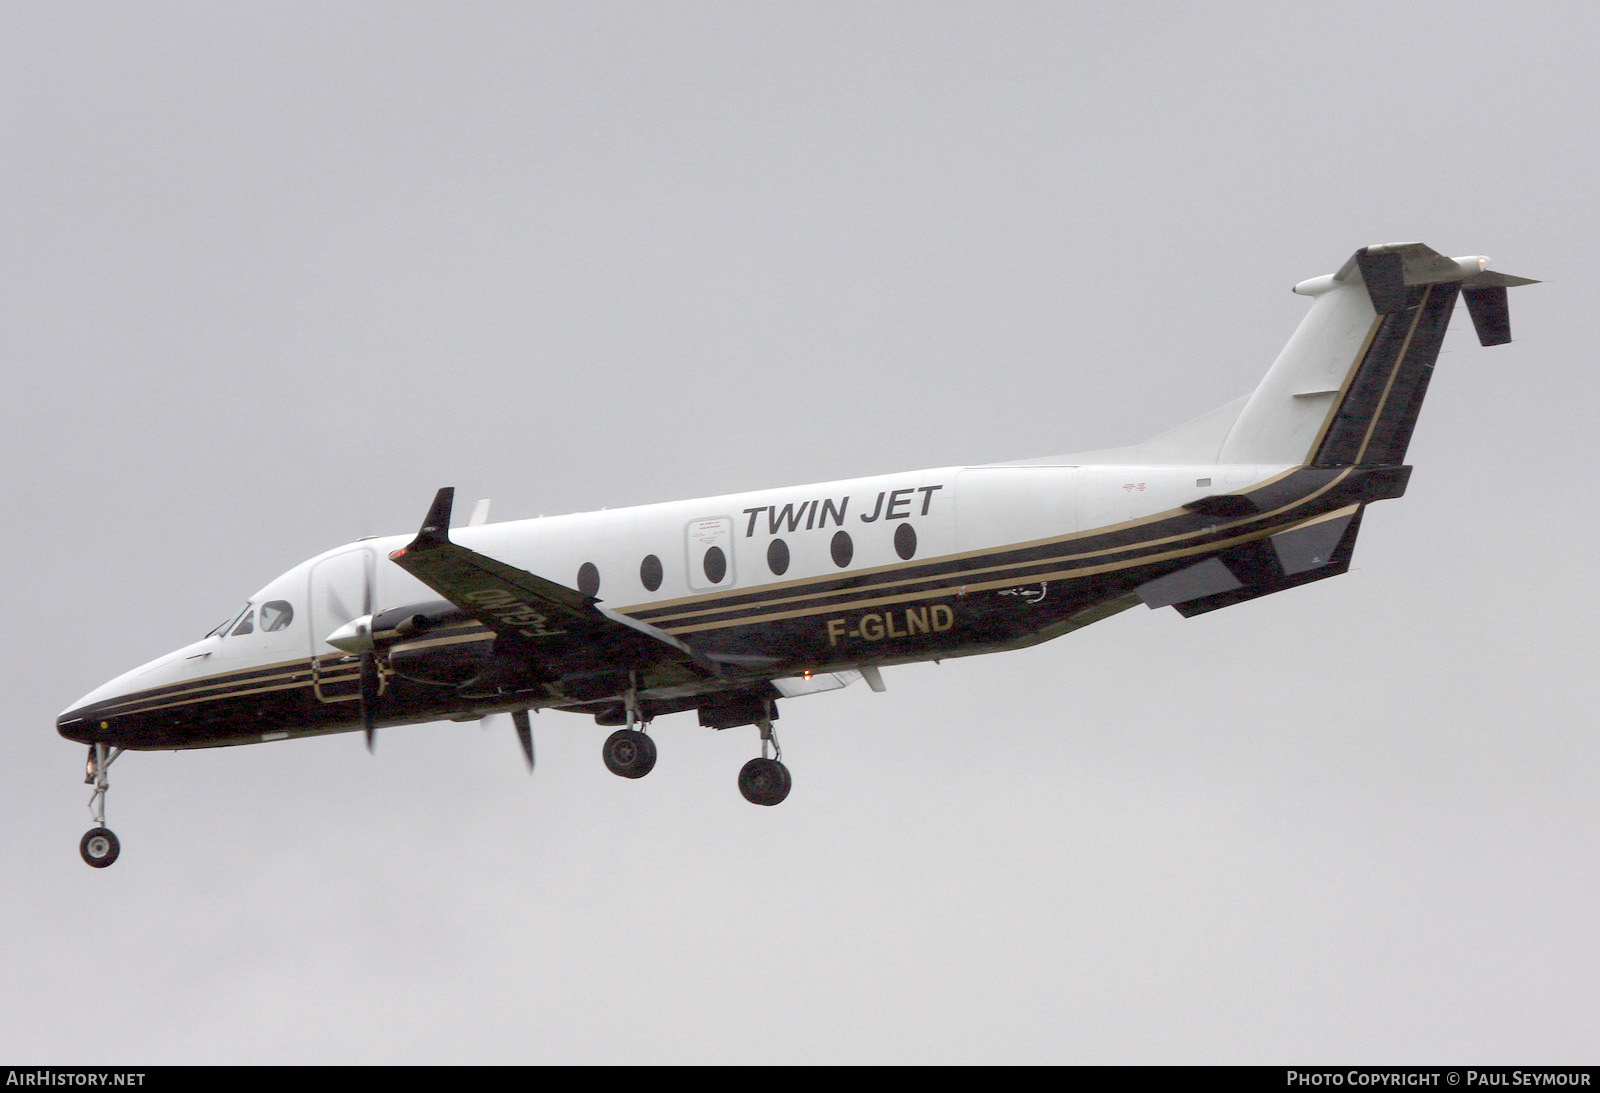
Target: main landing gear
[[765, 781], [629, 753], [99, 846]]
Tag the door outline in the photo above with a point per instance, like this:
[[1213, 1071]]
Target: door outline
[[334, 589], [699, 536]]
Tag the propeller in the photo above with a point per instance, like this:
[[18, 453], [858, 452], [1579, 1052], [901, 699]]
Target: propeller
[[354, 634], [371, 684], [519, 718]]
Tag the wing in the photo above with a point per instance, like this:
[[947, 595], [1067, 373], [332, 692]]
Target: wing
[[542, 629]]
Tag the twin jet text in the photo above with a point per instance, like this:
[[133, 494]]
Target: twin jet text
[[816, 513]]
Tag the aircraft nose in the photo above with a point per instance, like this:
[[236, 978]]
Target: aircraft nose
[[101, 716], [75, 725]]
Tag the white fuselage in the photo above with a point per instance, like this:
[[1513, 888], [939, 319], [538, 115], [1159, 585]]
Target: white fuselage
[[951, 511]]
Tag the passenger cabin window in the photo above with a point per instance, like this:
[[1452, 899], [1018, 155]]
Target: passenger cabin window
[[275, 615], [842, 549], [716, 564], [589, 579], [778, 557], [905, 541], [709, 546], [650, 572]]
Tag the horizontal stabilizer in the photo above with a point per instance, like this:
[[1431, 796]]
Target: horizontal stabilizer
[[1388, 271]]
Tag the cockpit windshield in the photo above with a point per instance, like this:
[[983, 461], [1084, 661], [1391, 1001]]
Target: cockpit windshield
[[224, 628]]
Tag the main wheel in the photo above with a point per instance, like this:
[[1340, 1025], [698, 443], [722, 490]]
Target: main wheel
[[99, 847], [764, 781], [629, 753]]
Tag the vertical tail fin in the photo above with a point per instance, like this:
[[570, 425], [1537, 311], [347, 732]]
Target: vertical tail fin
[[1349, 385]]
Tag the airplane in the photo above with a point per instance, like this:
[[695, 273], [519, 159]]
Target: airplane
[[726, 605]]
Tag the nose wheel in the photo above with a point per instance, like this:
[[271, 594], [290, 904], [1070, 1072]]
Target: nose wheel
[[99, 846]]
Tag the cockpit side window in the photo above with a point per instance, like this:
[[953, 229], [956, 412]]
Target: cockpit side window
[[276, 614], [245, 626]]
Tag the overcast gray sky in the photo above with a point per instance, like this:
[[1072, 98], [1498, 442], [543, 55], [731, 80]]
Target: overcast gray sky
[[271, 274]]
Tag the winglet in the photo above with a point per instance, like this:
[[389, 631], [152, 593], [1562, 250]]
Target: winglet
[[435, 529]]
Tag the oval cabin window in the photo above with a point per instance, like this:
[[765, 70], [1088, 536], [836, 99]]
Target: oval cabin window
[[905, 541], [842, 549], [589, 579], [778, 557], [716, 565]]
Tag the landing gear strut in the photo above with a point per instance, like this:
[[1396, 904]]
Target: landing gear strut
[[99, 846], [765, 781], [628, 752]]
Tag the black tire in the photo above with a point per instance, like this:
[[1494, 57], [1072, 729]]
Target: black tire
[[629, 753], [764, 781], [99, 847]]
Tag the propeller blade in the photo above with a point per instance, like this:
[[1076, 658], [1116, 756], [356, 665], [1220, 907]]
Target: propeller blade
[[370, 683], [336, 606], [519, 718]]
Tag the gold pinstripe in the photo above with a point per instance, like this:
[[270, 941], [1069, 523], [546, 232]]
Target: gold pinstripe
[[482, 634], [195, 686], [1394, 373], [200, 690], [240, 693], [1344, 390], [1079, 571], [707, 604]]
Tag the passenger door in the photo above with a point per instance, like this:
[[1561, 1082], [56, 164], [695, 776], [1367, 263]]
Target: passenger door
[[708, 549], [340, 592]]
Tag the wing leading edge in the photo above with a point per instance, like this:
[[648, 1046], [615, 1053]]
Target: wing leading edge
[[542, 629]]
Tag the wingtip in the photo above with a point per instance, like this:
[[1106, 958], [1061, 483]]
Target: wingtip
[[436, 525]]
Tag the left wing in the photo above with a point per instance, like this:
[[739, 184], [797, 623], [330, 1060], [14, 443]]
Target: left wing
[[552, 632]]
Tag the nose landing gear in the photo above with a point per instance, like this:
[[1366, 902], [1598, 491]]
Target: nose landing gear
[[99, 846]]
